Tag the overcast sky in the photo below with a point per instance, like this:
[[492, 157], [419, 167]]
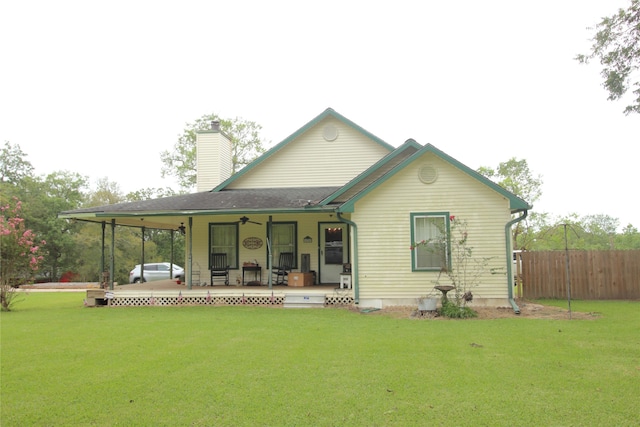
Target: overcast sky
[[101, 88]]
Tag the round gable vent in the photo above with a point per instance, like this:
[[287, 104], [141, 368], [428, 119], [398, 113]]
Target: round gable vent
[[330, 132], [428, 174]]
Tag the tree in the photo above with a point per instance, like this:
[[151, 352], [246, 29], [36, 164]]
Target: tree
[[106, 193], [149, 193], [13, 166], [514, 175], [20, 255], [628, 239], [43, 199], [181, 162], [616, 44]]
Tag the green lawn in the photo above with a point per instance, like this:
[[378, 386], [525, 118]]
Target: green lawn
[[64, 364]]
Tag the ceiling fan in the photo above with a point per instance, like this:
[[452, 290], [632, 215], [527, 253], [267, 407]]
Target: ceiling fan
[[245, 220]]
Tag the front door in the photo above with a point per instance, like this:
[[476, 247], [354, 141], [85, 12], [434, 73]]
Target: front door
[[333, 251]]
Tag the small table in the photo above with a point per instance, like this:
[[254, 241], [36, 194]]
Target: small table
[[345, 280], [257, 272]]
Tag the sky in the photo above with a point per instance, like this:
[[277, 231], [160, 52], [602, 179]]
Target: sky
[[102, 88]]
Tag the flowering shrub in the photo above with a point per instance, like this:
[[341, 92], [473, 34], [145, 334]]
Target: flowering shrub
[[20, 254], [461, 269]]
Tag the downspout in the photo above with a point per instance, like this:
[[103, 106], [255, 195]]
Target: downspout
[[508, 237], [354, 269]]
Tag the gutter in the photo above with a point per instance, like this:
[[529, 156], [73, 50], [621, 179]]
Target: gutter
[[507, 234], [354, 270]]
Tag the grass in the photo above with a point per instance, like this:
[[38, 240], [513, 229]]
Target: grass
[[63, 364]]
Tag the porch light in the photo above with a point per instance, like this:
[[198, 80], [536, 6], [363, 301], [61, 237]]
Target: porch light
[[182, 228]]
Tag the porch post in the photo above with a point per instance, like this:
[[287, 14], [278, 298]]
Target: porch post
[[171, 257], [142, 258], [190, 253], [104, 233], [112, 267], [269, 254]]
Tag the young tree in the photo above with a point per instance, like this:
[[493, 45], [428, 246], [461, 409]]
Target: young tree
[[246, 145], [20, 254], [514, 175], [13, 166], [616, 44]]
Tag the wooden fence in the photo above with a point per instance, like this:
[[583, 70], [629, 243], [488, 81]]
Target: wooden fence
[[592, 274]]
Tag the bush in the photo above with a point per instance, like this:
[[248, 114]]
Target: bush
[[453, 311]]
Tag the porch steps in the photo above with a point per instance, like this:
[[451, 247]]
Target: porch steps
[[304, 300]]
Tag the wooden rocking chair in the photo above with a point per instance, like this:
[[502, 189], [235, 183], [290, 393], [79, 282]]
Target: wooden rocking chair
[[219, 267]]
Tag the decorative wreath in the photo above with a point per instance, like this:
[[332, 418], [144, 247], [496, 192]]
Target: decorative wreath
[[252, 243]]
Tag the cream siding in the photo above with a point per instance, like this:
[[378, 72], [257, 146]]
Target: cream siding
[[213, 162], [384, 230], [312, 161]]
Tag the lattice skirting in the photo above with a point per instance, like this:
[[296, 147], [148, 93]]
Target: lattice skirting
[[338, 301], [217, 300]]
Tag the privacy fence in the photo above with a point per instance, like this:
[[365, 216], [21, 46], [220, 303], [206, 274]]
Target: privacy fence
[[592, 274]]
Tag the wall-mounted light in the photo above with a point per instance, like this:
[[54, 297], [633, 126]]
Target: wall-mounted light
[[307, 239], [182, 228]]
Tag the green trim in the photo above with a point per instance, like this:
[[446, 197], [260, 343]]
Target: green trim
[[329, 112], [515, 203], [355, 260], [295, 241], [447, 221], [237, 244]]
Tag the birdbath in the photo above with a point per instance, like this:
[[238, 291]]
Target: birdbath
[[444, 289]]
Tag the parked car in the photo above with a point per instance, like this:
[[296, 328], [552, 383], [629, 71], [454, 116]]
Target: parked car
[[155, 271]]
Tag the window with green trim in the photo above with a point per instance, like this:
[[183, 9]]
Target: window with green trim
[[284, 240], [430, 241], [223, 238]]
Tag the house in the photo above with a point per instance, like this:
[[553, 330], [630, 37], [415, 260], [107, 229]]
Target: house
[[334, 195]]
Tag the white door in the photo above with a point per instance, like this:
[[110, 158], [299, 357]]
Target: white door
[[333, 251]]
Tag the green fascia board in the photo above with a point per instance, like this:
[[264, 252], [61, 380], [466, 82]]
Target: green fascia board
[[516, 204], [372, 169], [329, 112]]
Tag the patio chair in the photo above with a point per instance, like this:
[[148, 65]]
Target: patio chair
[[281, 271], [219, 267]]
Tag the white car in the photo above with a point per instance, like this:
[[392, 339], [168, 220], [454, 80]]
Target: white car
[[155, 271]]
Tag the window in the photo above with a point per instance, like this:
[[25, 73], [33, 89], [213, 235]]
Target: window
[[223, 238], [284, 240], [432, 228]]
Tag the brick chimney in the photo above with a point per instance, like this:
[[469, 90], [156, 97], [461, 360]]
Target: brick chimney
[[213, 157]]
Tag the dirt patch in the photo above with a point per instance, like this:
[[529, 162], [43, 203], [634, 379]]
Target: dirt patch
[[527, 310]]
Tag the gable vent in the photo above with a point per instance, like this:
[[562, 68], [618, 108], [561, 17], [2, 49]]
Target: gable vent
[[330, 132], [428, 174]]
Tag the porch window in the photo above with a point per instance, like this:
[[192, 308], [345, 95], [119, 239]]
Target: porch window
[[223, 238], [432, 228], [284, 240]]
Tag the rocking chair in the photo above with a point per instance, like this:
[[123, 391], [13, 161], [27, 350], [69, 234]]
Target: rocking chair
[[281, 271], [219, 267]]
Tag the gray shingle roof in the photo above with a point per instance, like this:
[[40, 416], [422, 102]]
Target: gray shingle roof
[[231, 200]]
